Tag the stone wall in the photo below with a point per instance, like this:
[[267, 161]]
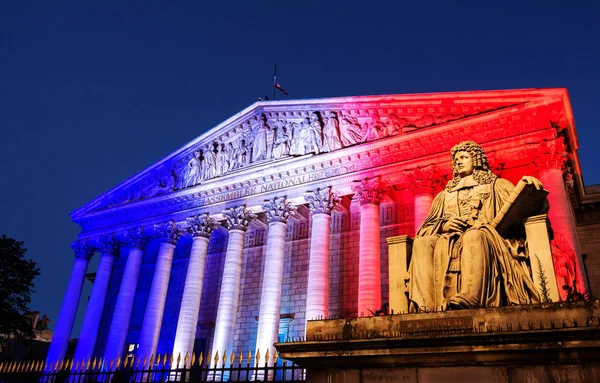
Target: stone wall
[[589, 240]]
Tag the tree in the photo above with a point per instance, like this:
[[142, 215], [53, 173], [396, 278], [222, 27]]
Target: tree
[[16, 287]]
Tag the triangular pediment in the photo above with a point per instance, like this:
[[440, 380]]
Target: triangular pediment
[[269, 132]]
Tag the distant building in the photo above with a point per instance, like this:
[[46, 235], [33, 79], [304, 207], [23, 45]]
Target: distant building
[[281, 213]]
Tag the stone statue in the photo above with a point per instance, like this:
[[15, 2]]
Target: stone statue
[[297, 146], [222, 161], [350, 131], [259, 145], [458, 260], [281, 146], [209, 164], [331, 133], [191, 174]]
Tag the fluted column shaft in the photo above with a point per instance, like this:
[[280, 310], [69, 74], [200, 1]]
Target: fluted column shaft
[[156, 301], [93, 314], [185, 335], [119, 325], [423, 203], [230, 293], [66, 318]]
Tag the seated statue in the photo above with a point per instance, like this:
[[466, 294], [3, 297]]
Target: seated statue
[[459, 260]]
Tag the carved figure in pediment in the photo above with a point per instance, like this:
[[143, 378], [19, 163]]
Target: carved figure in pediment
[[297, 146], [231, 156], [209, 163], [281, 146], [259, 145], [350, 130], [164, 184], [309, 140], [222, 161], [316, 134], [376, 129], [396, 125], [191, 174], [331, 132], [459, 260]]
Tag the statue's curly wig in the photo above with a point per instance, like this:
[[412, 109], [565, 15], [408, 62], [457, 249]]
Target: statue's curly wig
[[481, 170]]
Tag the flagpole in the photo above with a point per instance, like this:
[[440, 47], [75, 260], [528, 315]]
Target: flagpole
[[275, 82]]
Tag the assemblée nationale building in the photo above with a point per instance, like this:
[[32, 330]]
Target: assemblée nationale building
[[282, 213]]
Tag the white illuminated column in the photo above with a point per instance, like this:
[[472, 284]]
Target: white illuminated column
[[422, 183], [369, 193], [201, 227], [321, 202], [238, 219], [89, 330], [115, 343], [169, 233], [277, 211], [66, 318]]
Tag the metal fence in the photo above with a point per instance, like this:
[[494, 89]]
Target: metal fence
[[159, 369]]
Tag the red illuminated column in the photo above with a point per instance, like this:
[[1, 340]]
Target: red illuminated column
[[422, 182], [201, 227], [369, 193], [278, 211], [115, 342], [238, 219], [66, 318], [321, 202], [550, 163], [169, 233], [109, 249]]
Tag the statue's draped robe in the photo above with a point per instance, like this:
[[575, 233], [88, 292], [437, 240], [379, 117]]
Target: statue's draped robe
[[477, 268]]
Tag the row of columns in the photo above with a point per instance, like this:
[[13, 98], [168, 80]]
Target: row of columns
[[368, 192]]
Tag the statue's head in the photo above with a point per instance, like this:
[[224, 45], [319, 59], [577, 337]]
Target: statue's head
[[476, 152]]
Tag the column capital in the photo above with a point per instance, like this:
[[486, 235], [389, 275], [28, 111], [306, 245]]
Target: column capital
[[136, 238], [82, 249], [108, 244], [551, 154], [424, 180], [168, 232], [201, 225], [238, 218], [278, 209], [321, 201], [370, 190]]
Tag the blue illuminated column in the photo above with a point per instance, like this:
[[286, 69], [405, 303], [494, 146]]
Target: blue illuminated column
[[238, 219], [115, 343], [89, 331], [64, 325], [201, 227], [320, 202], [169, 234], [278, 211]]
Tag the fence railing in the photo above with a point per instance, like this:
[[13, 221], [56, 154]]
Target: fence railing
[[159, 369]]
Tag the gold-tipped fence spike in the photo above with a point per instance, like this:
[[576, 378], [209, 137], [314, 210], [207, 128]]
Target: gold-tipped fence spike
[[151, 361], [118, 363], [77, 366], [11, 365], [170, 359], [145, 363], [19, 365], [40, 366], [208, 359], [224, 359], [216, 358], [1, 366], [92, 363], [248, 357], [24, 366], [178, 359], [193, 359], [185, 360], [137, 364], [200, 358], [267, 357], [241, 358], [232, 358], [33, 366], [36, 366], [28, 366], [61, 365], [100, 363], [275, 357]]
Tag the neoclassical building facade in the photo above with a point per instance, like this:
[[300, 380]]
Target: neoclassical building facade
[[280, 214]]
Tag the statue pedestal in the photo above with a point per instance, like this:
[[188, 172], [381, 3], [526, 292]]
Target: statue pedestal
[[549, 342]]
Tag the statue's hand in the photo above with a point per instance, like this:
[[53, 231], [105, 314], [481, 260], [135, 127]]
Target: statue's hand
[[533, 181], [455, 224]]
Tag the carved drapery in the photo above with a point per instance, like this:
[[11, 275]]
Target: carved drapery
[[168, 232], [321, 201], [278, 209], [201, 225], [82, 249], [238, 218], [370, 191]]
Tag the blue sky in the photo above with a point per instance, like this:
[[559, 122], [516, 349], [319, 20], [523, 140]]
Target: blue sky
[[93, 92]]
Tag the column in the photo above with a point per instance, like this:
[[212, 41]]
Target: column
[[64, 325], [423, 183], [115, 343], [277, 211], [369, 193], [169, 233], [320, 203], [550, 161], [238, 219], [201, 227], [109, 249]]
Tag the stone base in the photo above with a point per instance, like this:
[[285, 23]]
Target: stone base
[[557, 342]]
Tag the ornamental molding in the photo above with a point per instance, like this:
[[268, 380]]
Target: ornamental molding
[[82, 249], [201, 225], [321, 201], [278, 209], [238, 218]]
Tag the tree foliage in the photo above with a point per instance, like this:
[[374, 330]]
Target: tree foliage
[[16, 286]]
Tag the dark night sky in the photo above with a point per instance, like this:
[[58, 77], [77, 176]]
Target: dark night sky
[[93, 92]]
